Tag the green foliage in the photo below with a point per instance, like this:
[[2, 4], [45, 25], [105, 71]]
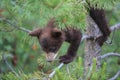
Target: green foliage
[[95, 74], [91, 74], [72, 71], [0, 57], [59, 75], [66, 12], [9, 76], [105, 4], [103, 76], [71, 13], [22, 76]]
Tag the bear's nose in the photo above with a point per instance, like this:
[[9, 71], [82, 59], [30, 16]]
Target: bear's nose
[[50, 56]]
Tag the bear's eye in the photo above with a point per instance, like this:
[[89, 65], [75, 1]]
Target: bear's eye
[[52, 48]]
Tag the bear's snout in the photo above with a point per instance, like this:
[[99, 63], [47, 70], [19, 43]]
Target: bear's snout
[[51, 56]]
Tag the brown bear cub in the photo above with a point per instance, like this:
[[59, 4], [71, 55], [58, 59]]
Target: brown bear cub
[[51, 39]]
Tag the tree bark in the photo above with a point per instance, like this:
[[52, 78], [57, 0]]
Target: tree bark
[[92, 49]]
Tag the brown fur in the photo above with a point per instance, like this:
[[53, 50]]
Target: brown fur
[[73, 36], [98, 16], [51, 39]]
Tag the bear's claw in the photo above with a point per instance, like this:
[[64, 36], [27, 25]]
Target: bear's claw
[[66, 59]]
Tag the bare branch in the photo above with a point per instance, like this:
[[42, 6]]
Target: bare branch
[[14, 25], [59, 5], [115, 76], [115, 27], [85, 37], [52, 74], [109, 54]]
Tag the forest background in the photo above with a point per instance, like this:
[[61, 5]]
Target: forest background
[[21, 57]]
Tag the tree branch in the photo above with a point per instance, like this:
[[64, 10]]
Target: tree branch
[[52, 74], [115, 27], [109, 54], [112, 28], [84, 37], [115, 76], [13, 25]]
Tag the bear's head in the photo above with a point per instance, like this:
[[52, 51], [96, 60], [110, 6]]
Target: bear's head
[[50, 39]]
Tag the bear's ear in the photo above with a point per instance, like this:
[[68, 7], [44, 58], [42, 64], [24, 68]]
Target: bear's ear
[[56, 33], [35, 32], [51, 23]]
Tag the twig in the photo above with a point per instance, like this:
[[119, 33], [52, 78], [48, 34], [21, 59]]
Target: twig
[[84, 37], [115, 76], [109, 54], [112, 29], [115, 27], [90, 73], [9, 66], [52, 74], [67, 69], [59, 5], [15, 26]]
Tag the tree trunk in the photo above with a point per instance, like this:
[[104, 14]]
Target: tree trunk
[[92, 49]]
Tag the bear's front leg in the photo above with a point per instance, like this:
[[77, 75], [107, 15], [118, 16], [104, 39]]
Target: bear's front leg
[[73, 36], [66, 59]]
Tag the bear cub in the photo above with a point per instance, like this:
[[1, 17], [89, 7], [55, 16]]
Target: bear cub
[[51, 39]]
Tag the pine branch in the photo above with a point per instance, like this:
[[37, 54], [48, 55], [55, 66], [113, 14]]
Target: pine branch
[[109, 55], [14, 25], [9, 66], [115, 76]]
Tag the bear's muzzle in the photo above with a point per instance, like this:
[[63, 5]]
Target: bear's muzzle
[[51, 56]]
